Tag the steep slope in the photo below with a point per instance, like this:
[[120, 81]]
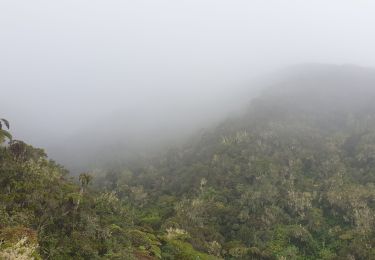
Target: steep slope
[[43, 214], [293, 178]]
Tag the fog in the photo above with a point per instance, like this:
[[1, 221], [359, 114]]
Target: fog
[[81, 76]]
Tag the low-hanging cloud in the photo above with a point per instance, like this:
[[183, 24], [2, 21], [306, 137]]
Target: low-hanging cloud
[[70, 69]]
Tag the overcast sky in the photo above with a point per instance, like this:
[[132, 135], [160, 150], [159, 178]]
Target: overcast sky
[[64, 64]]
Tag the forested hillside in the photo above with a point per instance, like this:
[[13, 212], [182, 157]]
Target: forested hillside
[[291, 178]]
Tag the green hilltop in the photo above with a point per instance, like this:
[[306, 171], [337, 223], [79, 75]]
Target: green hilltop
[[293, 177]]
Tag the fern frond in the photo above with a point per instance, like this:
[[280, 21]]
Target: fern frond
[[4, 133], [6, 122]]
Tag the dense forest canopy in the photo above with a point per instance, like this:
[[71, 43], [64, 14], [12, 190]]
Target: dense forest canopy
[[293, 177]]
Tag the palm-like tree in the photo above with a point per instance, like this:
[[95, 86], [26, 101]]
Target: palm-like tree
[[85, 180], [4, 133]]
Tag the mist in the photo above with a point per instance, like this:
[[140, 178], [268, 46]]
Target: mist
[[81, 76]]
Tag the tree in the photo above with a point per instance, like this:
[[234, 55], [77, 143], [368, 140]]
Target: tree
[[85, 180], [4, 133]]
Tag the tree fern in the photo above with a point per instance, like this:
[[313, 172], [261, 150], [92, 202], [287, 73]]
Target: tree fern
[[4, 133]]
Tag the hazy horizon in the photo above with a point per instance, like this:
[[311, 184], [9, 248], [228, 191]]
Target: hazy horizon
[[78, 68]]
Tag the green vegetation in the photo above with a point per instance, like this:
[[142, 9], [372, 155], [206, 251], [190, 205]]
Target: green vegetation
[[287, 180]]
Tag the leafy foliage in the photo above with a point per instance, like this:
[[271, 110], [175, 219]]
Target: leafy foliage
[[292, 178], [4, 133]]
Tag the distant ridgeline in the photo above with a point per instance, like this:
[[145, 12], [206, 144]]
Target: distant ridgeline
[[292, 178]]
